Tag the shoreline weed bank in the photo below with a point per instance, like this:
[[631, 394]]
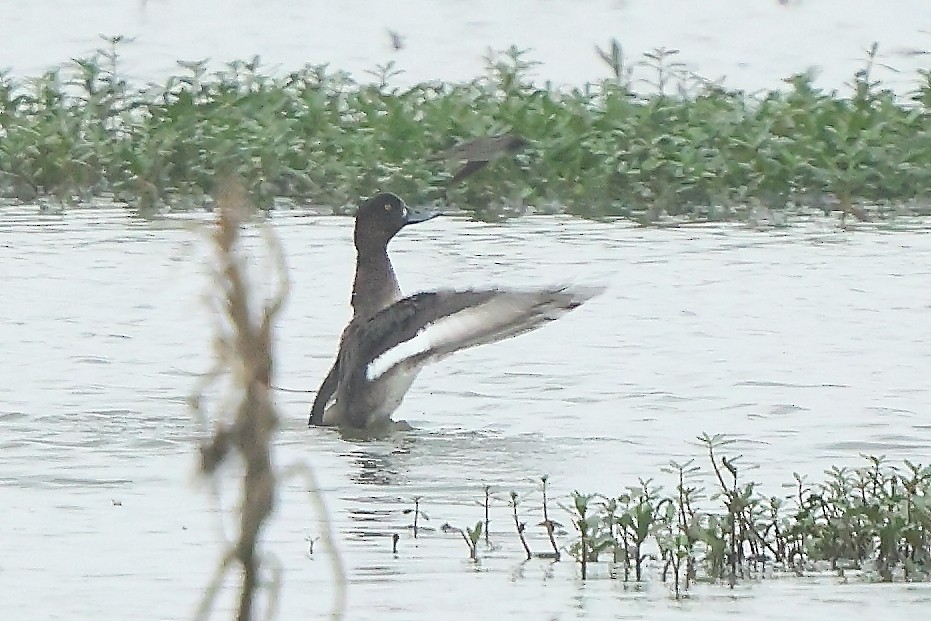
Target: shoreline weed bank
[[689, 148], [715, 525]]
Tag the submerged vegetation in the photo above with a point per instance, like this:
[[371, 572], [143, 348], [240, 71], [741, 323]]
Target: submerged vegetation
[[689, 147], [874, 520]]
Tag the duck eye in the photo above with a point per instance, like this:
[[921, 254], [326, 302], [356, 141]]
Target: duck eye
[[404, 211]]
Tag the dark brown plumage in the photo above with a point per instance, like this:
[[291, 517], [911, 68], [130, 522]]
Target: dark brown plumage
[[479, 152]]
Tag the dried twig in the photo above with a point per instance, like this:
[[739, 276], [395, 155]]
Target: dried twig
[[243, 347]]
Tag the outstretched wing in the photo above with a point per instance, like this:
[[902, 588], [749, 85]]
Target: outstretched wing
[[428, 326], [469, 169]]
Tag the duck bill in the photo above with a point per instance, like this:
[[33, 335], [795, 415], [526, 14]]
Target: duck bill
[[419, 214]]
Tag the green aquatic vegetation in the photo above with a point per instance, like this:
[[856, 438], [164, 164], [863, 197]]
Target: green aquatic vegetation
[[875, 518], [642, 514], [585, 522], [685, 148], [678, 535], [472, 535], [713, 524], [875, 512]]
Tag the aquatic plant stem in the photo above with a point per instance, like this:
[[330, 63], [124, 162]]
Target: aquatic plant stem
[[487, 512], [521, 526], [547, 522]]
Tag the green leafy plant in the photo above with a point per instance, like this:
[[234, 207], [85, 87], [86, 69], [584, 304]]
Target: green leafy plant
[[652, 142], [472, 536]]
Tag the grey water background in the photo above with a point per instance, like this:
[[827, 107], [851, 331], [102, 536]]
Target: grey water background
[[752, 44], [808, 344]]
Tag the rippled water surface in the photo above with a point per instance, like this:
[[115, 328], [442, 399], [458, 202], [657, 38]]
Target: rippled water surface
[[809, 344]]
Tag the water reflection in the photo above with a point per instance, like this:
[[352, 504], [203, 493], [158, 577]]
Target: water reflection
[[376, 515], [372, 468], [371, 522], [379, 462]]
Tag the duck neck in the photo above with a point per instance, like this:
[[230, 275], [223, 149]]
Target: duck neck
[[375, 286]]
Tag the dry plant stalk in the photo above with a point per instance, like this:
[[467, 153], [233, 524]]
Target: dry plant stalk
[[243, 347]]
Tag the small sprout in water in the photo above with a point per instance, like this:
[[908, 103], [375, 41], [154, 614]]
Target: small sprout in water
[[521, 526], [582, 520], [487, 506], [472, 538], [470, 535], [311, 541], [549, 524], [417, 514], [394, 543]]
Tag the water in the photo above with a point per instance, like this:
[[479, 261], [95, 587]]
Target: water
[[753, 44], [808, 344]]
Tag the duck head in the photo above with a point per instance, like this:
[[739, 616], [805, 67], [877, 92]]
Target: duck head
[[382, 216]]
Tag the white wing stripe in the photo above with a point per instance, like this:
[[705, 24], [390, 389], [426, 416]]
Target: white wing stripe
[[459, 326]]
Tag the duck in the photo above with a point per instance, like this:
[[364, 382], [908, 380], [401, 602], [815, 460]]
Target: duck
[[375, 285], [390, 338]]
